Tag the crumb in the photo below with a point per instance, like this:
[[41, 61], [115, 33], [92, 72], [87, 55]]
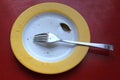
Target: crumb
[[47, 52], [27, 38]]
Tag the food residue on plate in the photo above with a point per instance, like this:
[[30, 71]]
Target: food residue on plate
[[65, 27], [47, 52], [27, 38]]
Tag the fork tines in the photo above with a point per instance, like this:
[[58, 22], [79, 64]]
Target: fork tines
[[41, 37]]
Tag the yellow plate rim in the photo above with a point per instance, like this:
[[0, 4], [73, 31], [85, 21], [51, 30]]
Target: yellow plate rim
[[56, 67]]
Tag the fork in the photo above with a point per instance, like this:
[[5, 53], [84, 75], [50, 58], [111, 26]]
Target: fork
[[52, 38]]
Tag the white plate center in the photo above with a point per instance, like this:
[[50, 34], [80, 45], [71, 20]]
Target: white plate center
[[49, 22]]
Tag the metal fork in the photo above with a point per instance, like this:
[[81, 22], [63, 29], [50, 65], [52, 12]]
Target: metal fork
[[52, 38]]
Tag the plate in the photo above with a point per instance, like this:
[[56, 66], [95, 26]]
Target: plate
[[44, 58]]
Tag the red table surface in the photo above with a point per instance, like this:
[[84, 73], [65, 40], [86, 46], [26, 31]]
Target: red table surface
[[103, 18]]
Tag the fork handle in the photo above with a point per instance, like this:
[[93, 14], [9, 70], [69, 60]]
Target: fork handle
[[97, 45]]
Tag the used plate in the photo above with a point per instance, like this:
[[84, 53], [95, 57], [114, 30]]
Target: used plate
[[44, 58]]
